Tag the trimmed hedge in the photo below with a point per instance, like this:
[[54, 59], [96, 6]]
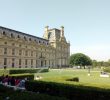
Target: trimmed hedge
[[22, 76], [23, 70], [6, 92], [5, 72], [72, 92], [19, 71], [75, 79]]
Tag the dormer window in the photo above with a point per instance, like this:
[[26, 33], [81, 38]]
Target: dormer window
[[18, 36], [12, 35], [25, 38], [4, 33], [29, 39]]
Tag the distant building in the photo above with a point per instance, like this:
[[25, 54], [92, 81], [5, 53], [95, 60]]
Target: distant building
[[21, 50]]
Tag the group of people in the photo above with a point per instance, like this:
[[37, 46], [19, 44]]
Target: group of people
[[12, 81]]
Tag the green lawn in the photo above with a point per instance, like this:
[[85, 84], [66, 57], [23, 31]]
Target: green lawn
[[60, 75]]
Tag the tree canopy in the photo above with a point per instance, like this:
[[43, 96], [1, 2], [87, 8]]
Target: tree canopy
[[80, 59]]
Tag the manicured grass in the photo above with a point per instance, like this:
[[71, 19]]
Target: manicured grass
[[60, 75]]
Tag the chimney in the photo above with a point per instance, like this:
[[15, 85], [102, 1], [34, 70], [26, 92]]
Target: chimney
[[62, 31]]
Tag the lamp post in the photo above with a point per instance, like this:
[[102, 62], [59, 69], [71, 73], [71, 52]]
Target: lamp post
[[88, 70]]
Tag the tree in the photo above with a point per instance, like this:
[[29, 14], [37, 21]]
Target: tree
[[80, 59], [100, 63], [94, 63]]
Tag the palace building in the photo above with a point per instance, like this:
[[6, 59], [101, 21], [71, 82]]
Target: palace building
[[22, 50]]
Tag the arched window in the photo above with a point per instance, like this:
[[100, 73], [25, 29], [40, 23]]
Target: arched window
[[25, 38]]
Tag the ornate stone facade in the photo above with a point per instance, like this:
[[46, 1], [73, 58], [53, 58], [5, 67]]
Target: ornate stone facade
[[21, 50]]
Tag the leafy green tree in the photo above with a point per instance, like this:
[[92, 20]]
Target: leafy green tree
[[106, 64], [80, 59], [100, 63]]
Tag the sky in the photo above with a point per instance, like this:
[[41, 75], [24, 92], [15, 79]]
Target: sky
[[86, 22]]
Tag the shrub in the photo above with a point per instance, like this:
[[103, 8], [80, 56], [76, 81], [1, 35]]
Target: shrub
[[6, 92], [72, 92], [106, 69], [75, 79]]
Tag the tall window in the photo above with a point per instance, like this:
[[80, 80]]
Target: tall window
[[41, 55], [5, 61], [36, 63], [5, 50], [19, 62], [49, 62], [25, 63], [13, 51], [20, 52], [36, 54], [45, 62], [41, 63], [31, 62], [31, 53], [26, 53], [13, 62]]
